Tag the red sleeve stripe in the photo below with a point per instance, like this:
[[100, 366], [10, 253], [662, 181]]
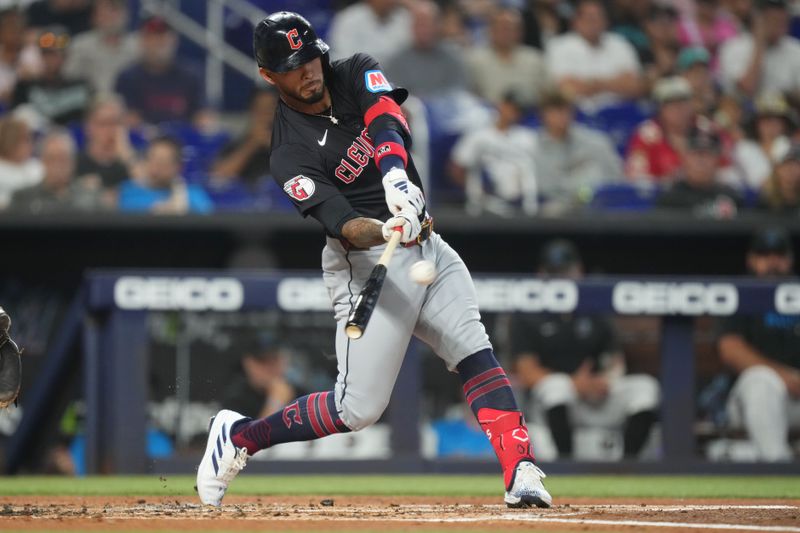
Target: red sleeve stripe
[[385, 106], [480, 378], [486, 389], [325, 415], [312, 415], [390, 148]]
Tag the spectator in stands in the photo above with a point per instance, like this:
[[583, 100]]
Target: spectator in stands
[[53, 95], [575, 371], [766, 59], [428, 67], [99, 55], [660, 54], [247, 157], [654, 150], [74, 15], [158, 88], [780, 193], [544, 19], [694, 64], [627, 19], [571, 160], [740, 12], [381, 27], [18, 168], [163, 190], [107, 157], [594, 67], [698, 190], [764, 352], [496, 164], [263, 387], [57, 192], [15, 55], [708, 28], [772, 126], [506, 65]]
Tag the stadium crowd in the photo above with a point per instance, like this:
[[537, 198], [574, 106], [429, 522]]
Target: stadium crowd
[[530, 107]]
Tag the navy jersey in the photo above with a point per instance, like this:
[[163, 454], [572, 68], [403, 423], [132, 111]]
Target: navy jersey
[[325, 166]]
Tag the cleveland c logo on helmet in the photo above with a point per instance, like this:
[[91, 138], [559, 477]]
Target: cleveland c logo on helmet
[[284, 41], [294, 40]]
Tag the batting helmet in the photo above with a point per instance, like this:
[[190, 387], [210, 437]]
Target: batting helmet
[[283, 41]]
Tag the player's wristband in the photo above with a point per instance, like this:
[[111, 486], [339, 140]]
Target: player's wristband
[[389, 149]]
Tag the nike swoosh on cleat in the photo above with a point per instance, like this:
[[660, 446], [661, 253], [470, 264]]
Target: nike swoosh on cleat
[[324, 139]]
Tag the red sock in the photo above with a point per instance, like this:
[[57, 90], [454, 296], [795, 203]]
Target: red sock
[[509, 437]]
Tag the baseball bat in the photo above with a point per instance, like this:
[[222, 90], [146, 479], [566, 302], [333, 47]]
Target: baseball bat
[[368, 298]]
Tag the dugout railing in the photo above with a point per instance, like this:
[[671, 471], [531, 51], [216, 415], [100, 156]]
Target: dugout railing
[[108, 316]]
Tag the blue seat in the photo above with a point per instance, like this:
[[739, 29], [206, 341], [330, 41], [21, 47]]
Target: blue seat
[[199, 149], [618, 121], [623, 197]]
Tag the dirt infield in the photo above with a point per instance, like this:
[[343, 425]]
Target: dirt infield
[[36, 513]]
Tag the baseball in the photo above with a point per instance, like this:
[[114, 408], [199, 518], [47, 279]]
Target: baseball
[[423, 272]]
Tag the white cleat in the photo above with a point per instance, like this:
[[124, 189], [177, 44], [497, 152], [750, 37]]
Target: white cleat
[[527, 489], [222, 460]]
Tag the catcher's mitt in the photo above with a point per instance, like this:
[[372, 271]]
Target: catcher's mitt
[[10, 364]]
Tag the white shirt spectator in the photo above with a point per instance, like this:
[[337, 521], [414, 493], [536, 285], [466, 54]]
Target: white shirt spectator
[[16, 176], [92, 59], [780, 70], [754, 164], [523, 74], [569, 170], [505, 157], [572, 56], [358, 28]]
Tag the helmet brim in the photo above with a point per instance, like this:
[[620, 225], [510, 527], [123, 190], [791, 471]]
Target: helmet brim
[[308, 53]]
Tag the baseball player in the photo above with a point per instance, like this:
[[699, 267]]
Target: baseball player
[[10, 364], [340, 153]]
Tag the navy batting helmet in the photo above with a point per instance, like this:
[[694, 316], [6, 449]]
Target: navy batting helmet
[[283, 41]]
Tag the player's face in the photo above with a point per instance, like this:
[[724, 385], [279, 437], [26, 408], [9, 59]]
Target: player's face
[[769, 265], [304, 84]]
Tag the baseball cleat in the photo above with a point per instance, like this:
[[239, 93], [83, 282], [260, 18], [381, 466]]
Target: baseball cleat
[[222, 460], [526, 487]]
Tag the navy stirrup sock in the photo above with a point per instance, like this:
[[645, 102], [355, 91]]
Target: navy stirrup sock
[[307, 418], [486, 383]]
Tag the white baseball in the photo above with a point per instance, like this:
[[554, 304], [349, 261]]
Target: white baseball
[[422, 272]]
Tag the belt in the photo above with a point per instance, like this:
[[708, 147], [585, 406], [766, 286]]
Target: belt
[[424, 234]]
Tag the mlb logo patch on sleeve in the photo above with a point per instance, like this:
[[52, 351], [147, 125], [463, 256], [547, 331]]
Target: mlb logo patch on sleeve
[[376, 81], [300, 188]]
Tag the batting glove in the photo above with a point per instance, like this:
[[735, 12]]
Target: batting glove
[[401, 193], [407, 220]]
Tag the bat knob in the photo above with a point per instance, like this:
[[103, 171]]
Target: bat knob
[[353, 332]]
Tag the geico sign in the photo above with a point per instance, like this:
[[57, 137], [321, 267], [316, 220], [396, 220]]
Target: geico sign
[[656, 298], [787, 298], [532, 295], [303, 294], [190, 294]]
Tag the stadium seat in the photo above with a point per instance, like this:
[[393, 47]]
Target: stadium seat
[[617, 121], [623, 197]]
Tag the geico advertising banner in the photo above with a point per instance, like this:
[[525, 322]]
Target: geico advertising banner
[[496, 294]]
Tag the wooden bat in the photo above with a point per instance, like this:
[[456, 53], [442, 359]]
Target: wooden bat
[[368, 298]]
